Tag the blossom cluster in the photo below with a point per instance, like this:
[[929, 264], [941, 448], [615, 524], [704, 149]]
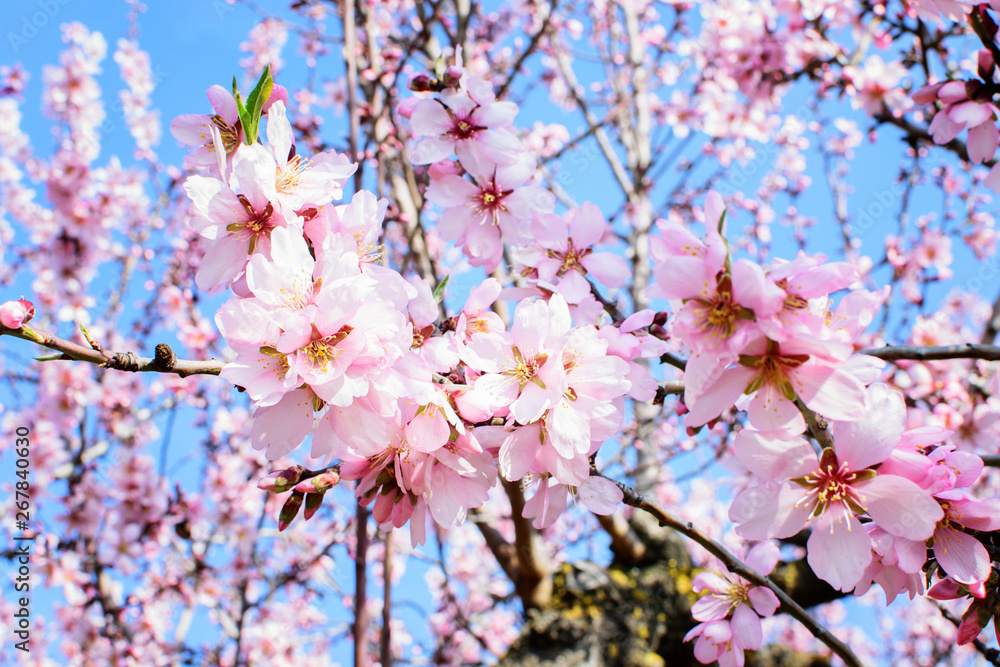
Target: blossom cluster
[[331, 344], [427, 411], [772, 343], [127, 548]]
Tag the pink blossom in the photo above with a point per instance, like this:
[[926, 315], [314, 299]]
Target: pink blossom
[[494, 207], [561, 253], [721, 299], [884, 568], [237, 222], [196, 129], [845, 484], [960, 554], [730, 613], [468, 122], [299, 181], [807, 282], [523, 370], [775, 374]]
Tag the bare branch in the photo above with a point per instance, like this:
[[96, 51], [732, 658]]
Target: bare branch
[[165, 360], [936, 352]]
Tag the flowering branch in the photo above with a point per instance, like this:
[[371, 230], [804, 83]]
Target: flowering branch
[[791, 607]]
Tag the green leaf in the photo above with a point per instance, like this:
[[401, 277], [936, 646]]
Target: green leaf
[[255, 105], [439, 290], [239, 102], [51, 357]]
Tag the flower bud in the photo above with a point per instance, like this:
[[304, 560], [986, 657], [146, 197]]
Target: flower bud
[[452, 76], [289, 510], [280, 481], [14, 314], [421, 83], [313, 502], [985, 65], [320, 483]]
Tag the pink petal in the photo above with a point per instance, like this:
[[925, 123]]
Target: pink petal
[[900, 507], [839, 551], [531, 404], [451, 191], [719, 396], [518, 452], [753, 290], [969, 113], [747, 633], [977, 514], [587, 225], [609, 269], [429, 117], [868, 441], [279, 133], [770, 410], [927, 94], [715, 206], [836, 395], [910, 554], [983, 141], [764, 601], [943, 129], [774, 455], [223, 103], [431, 148], [961, 555], [711, 581], [497, 114], [282, 427], [192, 129], [763, 557], [568, 430], [764, 512], [710, 608], [600, 495]]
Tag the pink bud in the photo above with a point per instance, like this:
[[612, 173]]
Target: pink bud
[[278, 92], [313, 502], [289, 510], [421, 83], [14, 314], [452, 76], [319, 483], [985, 65], [280, 481]]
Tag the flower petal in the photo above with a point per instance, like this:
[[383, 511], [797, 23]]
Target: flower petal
[[900, 507]]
